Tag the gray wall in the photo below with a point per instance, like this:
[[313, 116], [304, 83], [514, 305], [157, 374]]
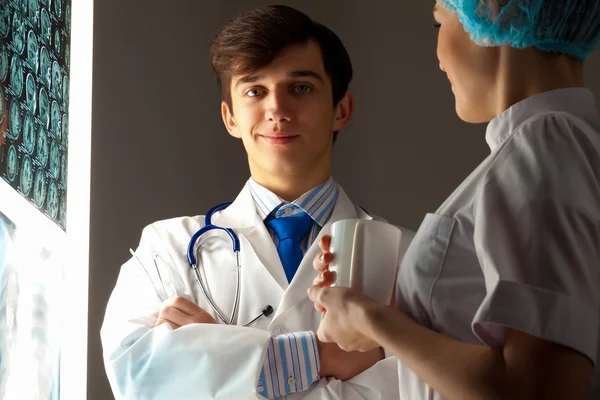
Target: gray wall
[[157, 126]]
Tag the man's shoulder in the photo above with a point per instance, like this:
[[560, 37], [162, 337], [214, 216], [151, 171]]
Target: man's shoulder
[[175, 225], [378, 218]]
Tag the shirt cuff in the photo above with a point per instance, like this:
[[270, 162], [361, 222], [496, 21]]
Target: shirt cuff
[[291, 365]]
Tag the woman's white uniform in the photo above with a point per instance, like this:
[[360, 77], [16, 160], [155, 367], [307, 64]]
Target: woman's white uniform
[[206, 361], [517, 245]]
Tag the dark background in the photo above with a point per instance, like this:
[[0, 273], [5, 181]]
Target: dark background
[[160, 150]]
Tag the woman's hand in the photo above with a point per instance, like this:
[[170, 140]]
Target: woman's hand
[[345, 320]]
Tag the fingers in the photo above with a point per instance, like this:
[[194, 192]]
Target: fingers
[[317, 282], [322, 261], [320, 309], [318, 279], [164, 321], [182, 304], [179, 311], [317, 294], [175, 316], [325, 243], [329, 278], [325, 278]]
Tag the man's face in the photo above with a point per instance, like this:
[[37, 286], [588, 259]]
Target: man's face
[[285, 116]]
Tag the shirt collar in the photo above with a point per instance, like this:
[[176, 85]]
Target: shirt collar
[[317, 202], [577, 101]]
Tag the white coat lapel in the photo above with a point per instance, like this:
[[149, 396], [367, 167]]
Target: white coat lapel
[[241, 216], [267, 252], [296, 292]]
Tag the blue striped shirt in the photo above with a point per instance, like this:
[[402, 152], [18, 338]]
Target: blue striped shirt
[[291, 362], [291, 365], [317, 202]]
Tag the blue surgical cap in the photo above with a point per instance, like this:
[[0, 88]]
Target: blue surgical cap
[[561, 26]]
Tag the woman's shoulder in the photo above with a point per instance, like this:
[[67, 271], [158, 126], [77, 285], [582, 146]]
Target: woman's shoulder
[[557, 130], [550, 156]]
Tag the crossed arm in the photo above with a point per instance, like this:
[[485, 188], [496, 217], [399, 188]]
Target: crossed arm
[[333, 361]]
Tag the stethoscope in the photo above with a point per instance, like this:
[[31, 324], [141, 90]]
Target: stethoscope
[[192, 260]]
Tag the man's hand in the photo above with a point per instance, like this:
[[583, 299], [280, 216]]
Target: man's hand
[[179, 311], [345, 365]]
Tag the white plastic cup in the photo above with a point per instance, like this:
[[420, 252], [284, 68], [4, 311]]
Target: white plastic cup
[[366, 256]]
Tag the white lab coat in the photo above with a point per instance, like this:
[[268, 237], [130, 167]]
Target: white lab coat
[[207, 361]]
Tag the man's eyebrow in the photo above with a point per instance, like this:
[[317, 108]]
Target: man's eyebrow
[[291, 74], [305, 73], [248, 79]]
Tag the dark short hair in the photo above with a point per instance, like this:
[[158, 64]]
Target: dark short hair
[[255, 38]]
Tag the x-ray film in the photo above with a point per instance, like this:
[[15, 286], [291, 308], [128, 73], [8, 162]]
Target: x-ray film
[[34, 98], [30, 309]]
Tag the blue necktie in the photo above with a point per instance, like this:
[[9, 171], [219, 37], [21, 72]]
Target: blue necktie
[[290, 231]]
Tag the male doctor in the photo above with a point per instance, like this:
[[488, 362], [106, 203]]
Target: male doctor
[[284, 81]]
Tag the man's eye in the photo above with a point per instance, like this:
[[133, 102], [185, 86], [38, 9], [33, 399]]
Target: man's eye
[[254, 92], [301, 89]]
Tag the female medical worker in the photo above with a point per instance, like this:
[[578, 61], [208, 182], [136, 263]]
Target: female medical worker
[[499, 291]]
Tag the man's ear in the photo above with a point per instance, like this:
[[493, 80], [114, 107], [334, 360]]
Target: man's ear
[[344, 111], [229, 121]]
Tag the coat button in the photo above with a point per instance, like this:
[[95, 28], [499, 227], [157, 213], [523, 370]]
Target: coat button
[[281, 330]]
